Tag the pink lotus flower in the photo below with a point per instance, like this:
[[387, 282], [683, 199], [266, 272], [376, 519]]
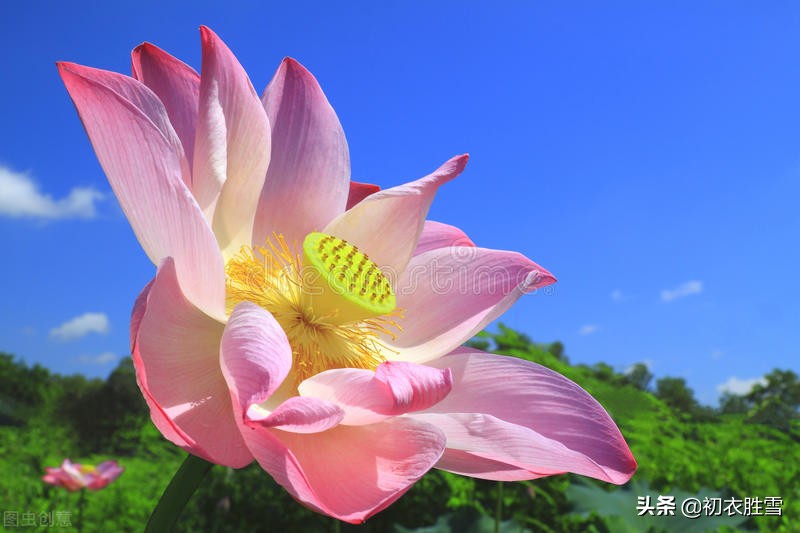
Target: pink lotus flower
[[309, 322], [76, 476]]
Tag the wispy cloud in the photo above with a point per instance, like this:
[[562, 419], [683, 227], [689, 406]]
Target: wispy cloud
[[616, 295], [81, 325], [738, 386], [102, 359], [717, 354], [682, 290], [588, 329], [20, 197]]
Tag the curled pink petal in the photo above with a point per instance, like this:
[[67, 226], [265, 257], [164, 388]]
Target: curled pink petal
[[349, 472], [414, 387], [309, 174], [395, 388], [298, 415], [386, 225], [176, 356], [511, 411], [449, 294], [364, 399], [255, 355]]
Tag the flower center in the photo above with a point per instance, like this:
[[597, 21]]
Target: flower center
[[343, 283], [87, 469], [332, 301]]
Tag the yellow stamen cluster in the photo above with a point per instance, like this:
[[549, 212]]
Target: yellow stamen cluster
[[332, 301], [87, 469]]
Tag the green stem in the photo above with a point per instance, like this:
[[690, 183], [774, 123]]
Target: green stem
[[180, 489], [498, 517], [81, 504]]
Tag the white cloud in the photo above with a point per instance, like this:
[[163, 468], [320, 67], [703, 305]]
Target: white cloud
[[616, 295], [20, 197], [588, 329], [103, 358], [717, 354], [80, 326], [684, 289], [738, 386]]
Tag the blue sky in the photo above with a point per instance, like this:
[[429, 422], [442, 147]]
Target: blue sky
[[647, 154]]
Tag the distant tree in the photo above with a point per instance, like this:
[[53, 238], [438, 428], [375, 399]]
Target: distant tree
[[675, 393], [639, 376], [477, 343], [508, 339], [121, 388], [733, 404], [79, 409], [107, 416], [776, 402], [557, 349], [605, 372], [24, 385]]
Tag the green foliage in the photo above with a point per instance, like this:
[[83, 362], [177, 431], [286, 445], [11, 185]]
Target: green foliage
[[467, 520], [511, 340], [680, 446], [615, 509], [108, 417], [26, 390]]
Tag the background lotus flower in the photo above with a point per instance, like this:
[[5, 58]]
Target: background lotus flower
[[312, 323], [76, 476]]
